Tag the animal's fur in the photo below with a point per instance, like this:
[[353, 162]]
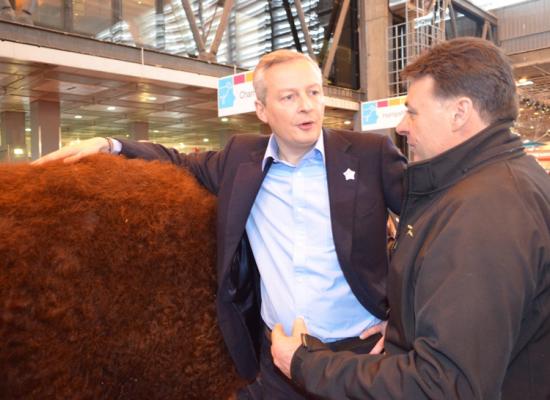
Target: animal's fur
[[107, 284]]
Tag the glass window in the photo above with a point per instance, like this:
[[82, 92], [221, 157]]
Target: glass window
[[48, 13], [91, 16]]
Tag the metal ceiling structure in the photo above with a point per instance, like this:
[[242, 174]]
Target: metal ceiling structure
[[107, 99]]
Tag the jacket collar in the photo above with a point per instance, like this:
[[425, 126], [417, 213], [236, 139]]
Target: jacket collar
[[494, 143]]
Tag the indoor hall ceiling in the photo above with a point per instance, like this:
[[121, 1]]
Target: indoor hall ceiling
[[99, 104], [534, 121], [539, 75]]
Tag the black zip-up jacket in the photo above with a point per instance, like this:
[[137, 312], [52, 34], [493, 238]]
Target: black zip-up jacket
[[468, 287]]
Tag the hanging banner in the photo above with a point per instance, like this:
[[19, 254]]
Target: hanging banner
[[236, 94], [382, 114]]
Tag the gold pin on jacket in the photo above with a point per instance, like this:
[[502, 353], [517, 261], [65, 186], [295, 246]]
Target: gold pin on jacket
[[410, 231]]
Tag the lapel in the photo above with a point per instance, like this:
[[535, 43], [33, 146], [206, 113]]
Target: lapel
[[341, 192], [247, 182]]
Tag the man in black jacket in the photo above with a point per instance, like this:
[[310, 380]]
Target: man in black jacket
[[301, 219], [469, 280]]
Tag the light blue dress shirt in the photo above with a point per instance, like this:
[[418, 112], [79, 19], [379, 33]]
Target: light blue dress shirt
[[290, 233]]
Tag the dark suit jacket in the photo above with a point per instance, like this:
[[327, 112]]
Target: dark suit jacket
[[358, 211]]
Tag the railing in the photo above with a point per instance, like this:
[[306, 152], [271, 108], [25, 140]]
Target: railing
[[406, 41]]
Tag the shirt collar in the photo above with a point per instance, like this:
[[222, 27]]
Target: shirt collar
[[272, 150]]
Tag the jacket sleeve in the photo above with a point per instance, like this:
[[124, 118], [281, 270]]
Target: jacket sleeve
[[207, 167], [393, 165], [470, 287]]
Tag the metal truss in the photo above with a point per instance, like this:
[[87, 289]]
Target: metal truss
[[425, 26], [201, 38]]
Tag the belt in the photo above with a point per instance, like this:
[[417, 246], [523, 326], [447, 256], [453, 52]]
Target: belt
[[354, 344]]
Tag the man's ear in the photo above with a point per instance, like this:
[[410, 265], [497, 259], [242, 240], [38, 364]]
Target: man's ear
[[463, 110], [260, 111]]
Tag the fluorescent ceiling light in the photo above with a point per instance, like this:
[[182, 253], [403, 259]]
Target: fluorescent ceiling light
[[524, 82]]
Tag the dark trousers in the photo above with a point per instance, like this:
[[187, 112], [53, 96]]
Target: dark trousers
[[272, 384]]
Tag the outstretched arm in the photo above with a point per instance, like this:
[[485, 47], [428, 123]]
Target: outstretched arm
[[207, 166]]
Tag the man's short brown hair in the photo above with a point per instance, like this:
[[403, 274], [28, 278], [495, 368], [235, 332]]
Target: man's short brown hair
[[474, 68], [271, 59]]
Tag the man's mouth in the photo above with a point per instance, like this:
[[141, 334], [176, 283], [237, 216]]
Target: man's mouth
[[306, 125]]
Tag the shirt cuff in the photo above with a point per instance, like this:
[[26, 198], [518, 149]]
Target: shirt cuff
[[117, 147]]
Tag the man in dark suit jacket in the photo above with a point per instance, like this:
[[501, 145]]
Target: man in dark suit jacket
[[301, 219]]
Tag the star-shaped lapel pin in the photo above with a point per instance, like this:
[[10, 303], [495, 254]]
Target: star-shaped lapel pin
[[349, 174]]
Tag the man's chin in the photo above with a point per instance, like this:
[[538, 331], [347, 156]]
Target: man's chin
[[308, 135]]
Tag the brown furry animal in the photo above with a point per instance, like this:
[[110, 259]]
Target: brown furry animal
[[107, 284]]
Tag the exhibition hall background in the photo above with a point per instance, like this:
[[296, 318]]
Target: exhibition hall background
[[148, 69]]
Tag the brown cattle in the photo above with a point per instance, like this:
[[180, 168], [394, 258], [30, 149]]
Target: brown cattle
[[107, 283]]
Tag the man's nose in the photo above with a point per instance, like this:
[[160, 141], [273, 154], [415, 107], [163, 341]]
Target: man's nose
[[402, 128], [306, 103]]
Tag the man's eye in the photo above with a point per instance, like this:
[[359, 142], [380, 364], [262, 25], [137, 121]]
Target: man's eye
[[288, 97]]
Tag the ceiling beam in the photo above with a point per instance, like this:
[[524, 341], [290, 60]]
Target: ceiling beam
[[530, 58], [473, 11], [47, 38]]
